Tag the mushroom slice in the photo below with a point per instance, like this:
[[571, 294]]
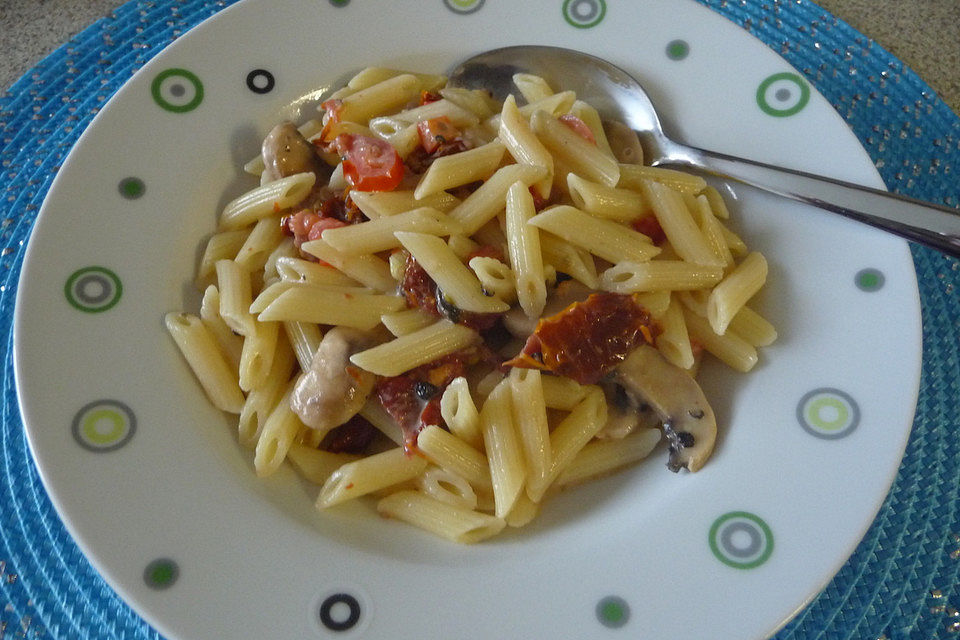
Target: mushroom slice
[[286, 152], [688, 421], [333, 390]]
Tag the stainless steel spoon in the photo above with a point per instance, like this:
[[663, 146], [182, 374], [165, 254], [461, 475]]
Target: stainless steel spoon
[[618, 96]]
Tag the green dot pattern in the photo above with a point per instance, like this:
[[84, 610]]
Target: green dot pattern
[[161, 574], [783, 94], [177, 90], [584, 14], [93, 289], [678, 50]]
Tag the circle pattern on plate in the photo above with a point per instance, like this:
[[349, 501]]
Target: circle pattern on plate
[[741, 540], [161, 574], [828, 413], [613, 612], [678, 49], [584, 14], [340, 612], [261, 81], [783, 94], [464, 6], [177, 90], [104, 425], [131, 188], [93, 289], [870, 280]]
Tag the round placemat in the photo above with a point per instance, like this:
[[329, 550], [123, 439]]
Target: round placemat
[[902, 580]]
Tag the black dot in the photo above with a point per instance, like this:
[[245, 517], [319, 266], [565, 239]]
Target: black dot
[[177, 90], [260, 81], [326, 612], [782, 95]]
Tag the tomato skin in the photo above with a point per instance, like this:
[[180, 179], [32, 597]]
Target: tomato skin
[[369, 164], [435, 132], [649, 226], [579, 127]]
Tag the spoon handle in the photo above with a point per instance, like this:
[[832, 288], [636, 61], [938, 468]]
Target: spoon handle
[[916, 220]]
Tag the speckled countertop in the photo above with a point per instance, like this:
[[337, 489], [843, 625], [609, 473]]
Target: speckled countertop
[[924, 34]]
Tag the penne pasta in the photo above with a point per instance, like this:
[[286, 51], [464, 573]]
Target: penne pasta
[[199, 348], [267, 200], [445, 520], [369, 474], [414, 349], [603, 238]]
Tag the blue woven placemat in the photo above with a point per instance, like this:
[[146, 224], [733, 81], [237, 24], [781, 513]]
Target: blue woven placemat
[[901, 582]]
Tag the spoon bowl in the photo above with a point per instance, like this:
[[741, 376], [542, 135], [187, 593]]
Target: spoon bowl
[[618, 96]]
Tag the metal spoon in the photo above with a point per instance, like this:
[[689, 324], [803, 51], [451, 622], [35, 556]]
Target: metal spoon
[[618, 96]]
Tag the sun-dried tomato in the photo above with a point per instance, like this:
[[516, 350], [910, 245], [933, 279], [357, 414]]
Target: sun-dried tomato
[[353, 436], [649, 226], [400, 398], [588, 339]]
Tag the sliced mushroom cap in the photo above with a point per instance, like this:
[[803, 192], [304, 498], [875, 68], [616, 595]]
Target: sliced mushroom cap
[[688, 421], [625, 413], [286, 152], [333, 390]]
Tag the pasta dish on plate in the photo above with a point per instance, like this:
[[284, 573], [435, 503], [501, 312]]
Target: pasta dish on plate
[[459, 306]]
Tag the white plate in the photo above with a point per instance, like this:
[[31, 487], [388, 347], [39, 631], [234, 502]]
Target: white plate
[[149, 480]]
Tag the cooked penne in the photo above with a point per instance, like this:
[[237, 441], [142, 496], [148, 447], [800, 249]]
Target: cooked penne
[[376, 204], [368, 270], [267, 200], [384, 96], [316, 465], [400, 323], [567, 258], [490, 199], [199, 347], [496, 278], [612, 203], [378, 235], [674, 340], [459, 169], [728, 297], [530, 417], [318, 305], [632, 176], [532, 87], [235, 296], [231, 344], [369, 474], [279, 430], [679, 226], [414, 349], [729, 348], [659, 275], [603, 238], [262, 400], [300, 270], [523, 247], [752, 327], [261, 242], [223, 245], [460, 413], [447, 487], [257, 355], [516, 134], [445, 520], [507, 468], [450, 452], [582, 156], [602, 457]]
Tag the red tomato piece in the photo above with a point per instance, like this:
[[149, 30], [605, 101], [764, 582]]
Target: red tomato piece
[[369, 164], [578, 126], [321, 225], [649, 226], [435, 132]]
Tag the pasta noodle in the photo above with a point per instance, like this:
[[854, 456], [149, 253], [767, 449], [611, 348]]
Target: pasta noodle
[[458, 306]]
